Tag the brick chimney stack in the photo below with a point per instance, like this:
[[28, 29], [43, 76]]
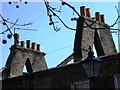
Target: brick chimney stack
[[87, 36], [25, 56]]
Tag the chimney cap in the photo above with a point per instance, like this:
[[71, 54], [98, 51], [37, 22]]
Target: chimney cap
[[97, 12]]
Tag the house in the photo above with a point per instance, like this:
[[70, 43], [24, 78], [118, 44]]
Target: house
[[69, 74]]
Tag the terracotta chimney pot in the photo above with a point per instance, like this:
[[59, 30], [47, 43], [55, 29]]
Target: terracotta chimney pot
[[88, 12], [82, 11], [97, 16], [38, 47], [22, 44], [102, 18], [28, 44], [33, 45]]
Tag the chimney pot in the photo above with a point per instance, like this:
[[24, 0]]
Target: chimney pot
[[33, 45], [22, 44], [88, 12], [16, 38], [28, 44], [82, 11], [102, 18], [38, 47], [97, 16]]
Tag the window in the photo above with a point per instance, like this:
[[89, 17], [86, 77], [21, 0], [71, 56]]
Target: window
[[117, 82], [81, 85]]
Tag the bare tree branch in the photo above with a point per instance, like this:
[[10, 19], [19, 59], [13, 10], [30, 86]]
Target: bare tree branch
[[8, 29], [25, 29], [5, 21], [116, 21], [50, 10]]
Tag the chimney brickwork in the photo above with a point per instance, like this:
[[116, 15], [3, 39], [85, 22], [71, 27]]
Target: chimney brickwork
[[104, 43], [84, 36], [18, 57], [87, 36]]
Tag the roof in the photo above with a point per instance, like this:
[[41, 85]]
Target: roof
[[68, 59], [67, 74]]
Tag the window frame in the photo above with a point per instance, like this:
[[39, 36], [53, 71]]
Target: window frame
[[80, 82], [116, 82]]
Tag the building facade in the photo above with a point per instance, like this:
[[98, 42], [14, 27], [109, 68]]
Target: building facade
[[70, 77]]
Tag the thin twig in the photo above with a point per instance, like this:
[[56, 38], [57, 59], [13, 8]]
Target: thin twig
[[8, 29], [116, 19], [26, 29], [13, 24], [48, 13], [106, 27]]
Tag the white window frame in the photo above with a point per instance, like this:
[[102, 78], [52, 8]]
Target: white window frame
[[116, 82], [80, 82]]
